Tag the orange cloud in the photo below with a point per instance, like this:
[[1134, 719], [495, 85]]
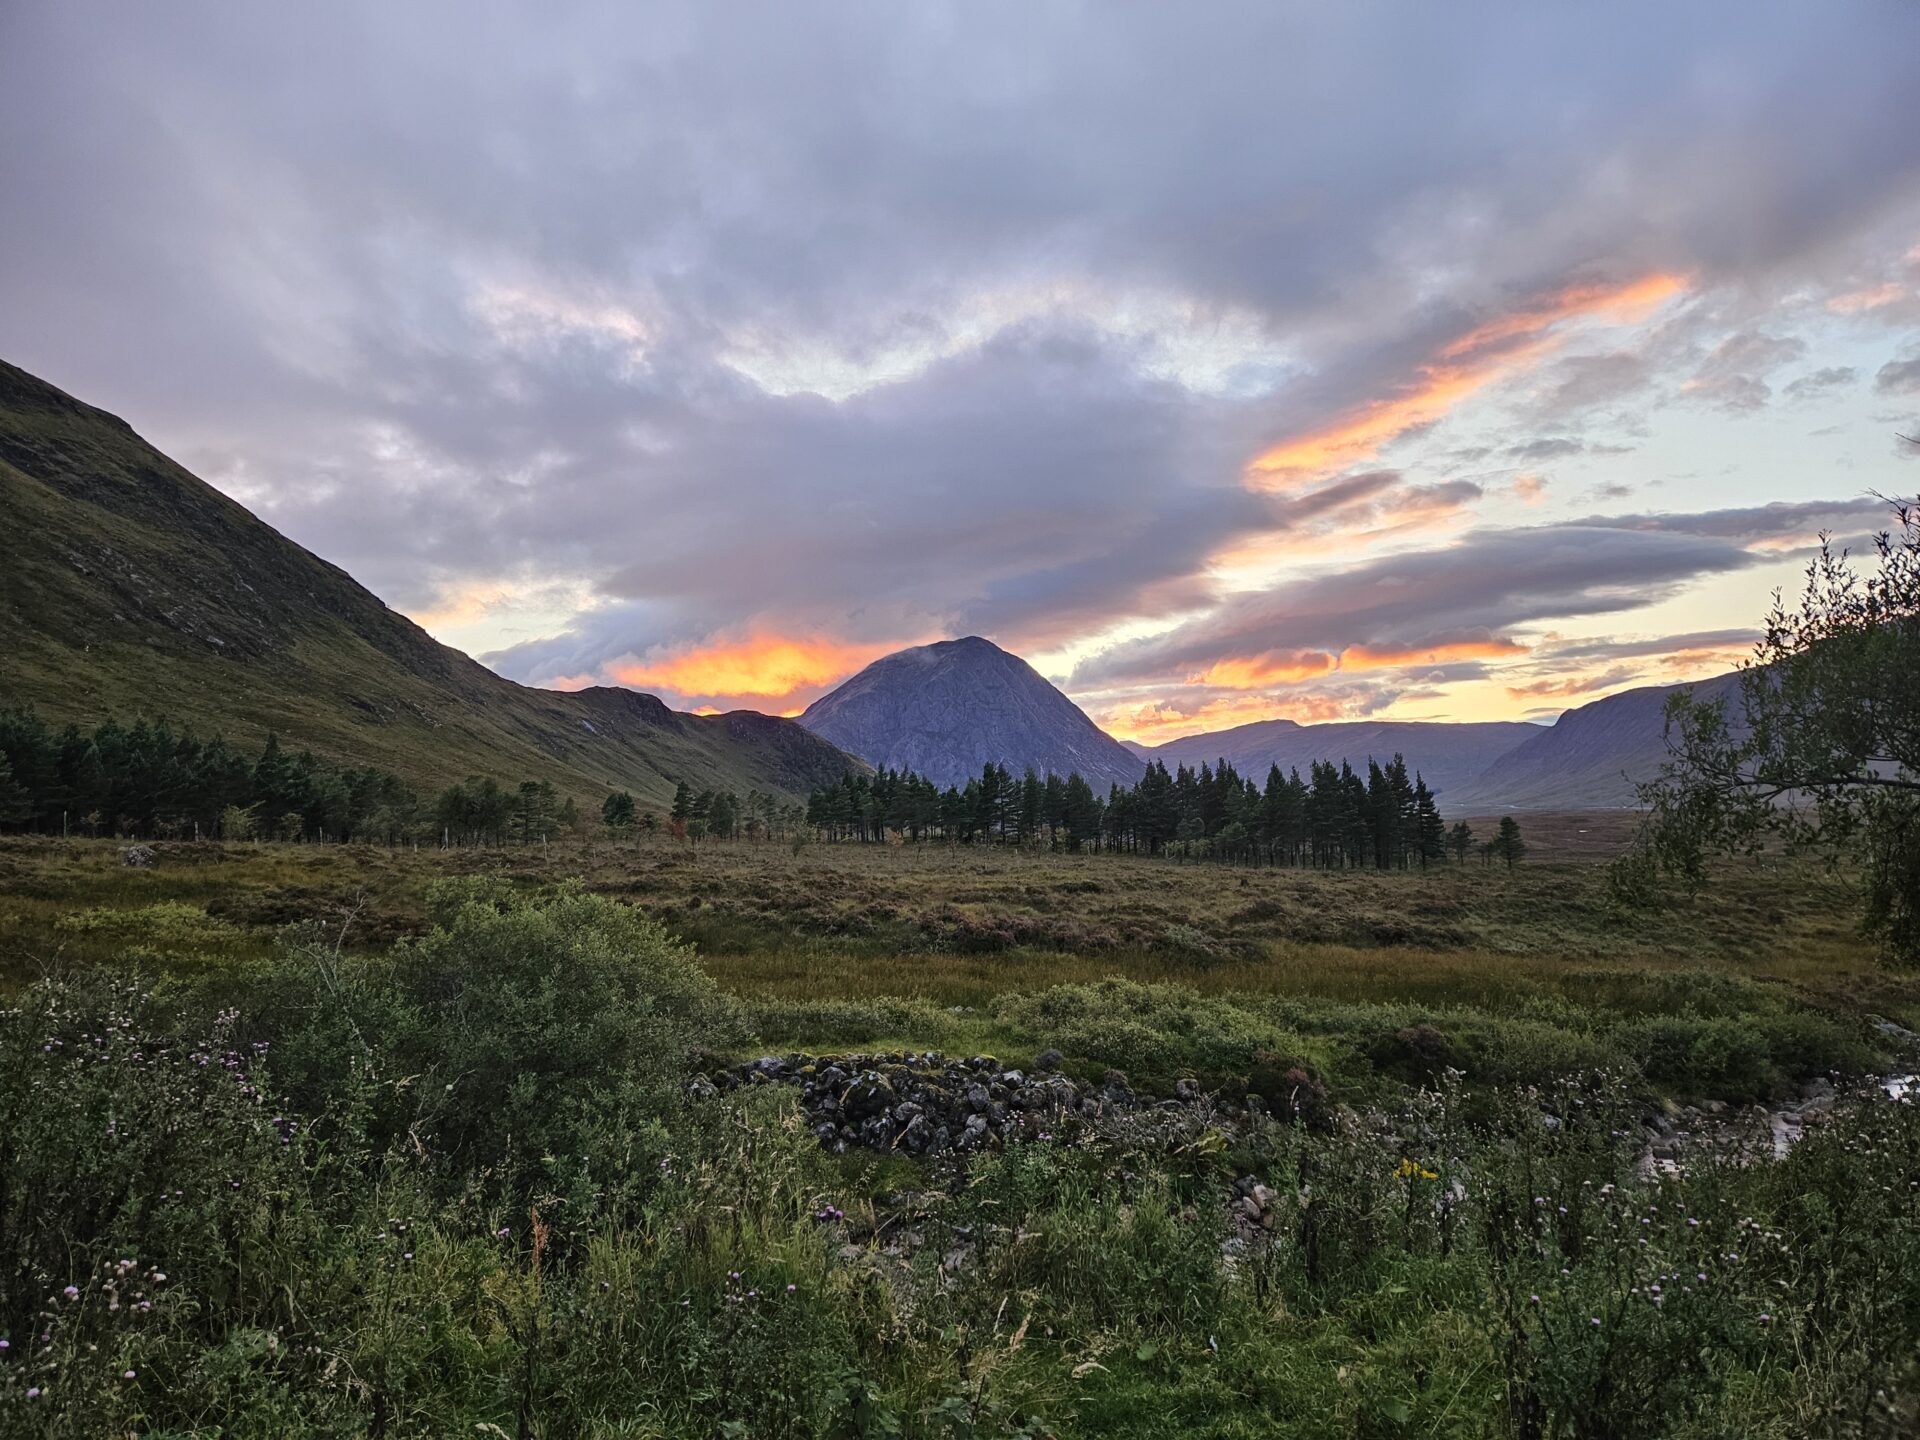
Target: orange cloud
[[1459, 369], [1872, 298], [1371, 657], [1156, 722], [1254, 671], [1290, 667], [1576, 685], [760, 666], [1531, 489]]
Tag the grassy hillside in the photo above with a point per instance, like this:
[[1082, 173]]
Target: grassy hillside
[[1592, 757], [128, 586]]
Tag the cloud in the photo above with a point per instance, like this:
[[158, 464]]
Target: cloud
[[1483, 586], [1763, 527], [1898, 377], [1818, 382], [1581, 383], [1692, 642], [1557, 447], [1531, 489], [760, 666], [1872, 297], [1567, 686], [666, 339], [1459, 368]]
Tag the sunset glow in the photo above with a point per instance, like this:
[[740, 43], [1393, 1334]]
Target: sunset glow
[[1458, 370], [760, 667]]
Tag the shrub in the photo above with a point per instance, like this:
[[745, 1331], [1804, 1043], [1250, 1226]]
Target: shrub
[[547, 1035]]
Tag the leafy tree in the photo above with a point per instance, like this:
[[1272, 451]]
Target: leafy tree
[[1818, 747], [238, 822]]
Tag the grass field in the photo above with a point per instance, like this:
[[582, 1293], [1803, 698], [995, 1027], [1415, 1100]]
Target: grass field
[[302, 1140], [833, 946]]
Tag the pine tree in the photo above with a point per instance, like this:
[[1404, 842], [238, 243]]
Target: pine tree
[[1507, 844], [617, 812]]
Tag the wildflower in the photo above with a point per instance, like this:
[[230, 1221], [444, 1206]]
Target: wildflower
[[72, 1292], [33, 1392], [126, 1374], [790, 1290]]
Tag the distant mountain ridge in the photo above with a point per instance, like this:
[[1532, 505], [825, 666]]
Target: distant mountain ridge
[[1447, 755], [128, 587], [945, 710], [1590, 758]]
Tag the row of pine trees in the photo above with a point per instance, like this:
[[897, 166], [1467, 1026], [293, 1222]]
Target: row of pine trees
[[1335, 818], [150, 781]]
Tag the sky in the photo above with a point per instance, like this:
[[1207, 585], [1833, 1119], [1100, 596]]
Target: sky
[[1227, 361]]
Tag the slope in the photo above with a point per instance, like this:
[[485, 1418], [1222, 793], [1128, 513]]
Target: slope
[[945, 710], [1590, 758], [128, 586]]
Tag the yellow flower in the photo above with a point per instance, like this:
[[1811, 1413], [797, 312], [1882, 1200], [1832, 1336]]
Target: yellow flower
[[1409, 1169]]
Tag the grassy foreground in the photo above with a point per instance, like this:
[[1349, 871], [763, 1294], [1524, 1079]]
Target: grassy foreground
[[440, 1176]]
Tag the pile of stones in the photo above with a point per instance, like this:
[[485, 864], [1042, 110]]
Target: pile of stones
[[926, 1103]]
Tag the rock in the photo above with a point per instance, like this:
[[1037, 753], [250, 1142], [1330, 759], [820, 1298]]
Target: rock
[[1186, 1090], [978, 1098], [1897, 1033], [1817, 1088], [1047, 1061], [701, 1088], [1013, 1079], [140, 857], [866, 1097]]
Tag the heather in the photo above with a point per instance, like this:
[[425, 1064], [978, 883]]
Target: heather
[[471, 1174]]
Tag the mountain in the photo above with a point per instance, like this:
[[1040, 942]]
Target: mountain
[[1589, 759], [945, 710], [1447, 755], [128, 586]]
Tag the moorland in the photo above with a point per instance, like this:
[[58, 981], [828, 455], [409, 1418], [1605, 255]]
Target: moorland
[[306, 1139]]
